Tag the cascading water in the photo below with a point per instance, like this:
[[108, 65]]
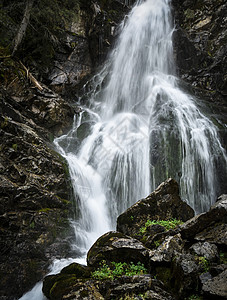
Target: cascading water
[[143, 129], [138, 130]]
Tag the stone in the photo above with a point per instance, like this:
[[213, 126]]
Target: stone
[[172, 246], [55, 286], [184, 274], [115, 246], [80, 271], [216, 287], [207, 250], [216, 214], [34, 192], [163, 204], [127, 287]]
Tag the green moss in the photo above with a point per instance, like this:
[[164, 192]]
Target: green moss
[[61, 287], [189, 13], [32, 225], [157, 243]]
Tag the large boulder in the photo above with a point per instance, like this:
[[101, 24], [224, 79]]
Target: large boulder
[[163, 204], [115, 246], [55, 286]]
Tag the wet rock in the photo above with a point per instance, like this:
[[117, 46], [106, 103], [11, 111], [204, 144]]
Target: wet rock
[[200, 52], [184, 274], [163, 204], [55, 286], [216, 287], [35, 195], [207, 250], [126, 286], [217, 214], [133, 287], [115, 246], [172, 246]]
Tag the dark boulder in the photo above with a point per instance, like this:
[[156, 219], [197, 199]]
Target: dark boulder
[[55, 286], [115, 246], [134, 287], [216, 287], [163, 204], [207, 222], [184, 274]]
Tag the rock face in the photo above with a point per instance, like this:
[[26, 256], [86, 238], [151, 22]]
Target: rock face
[[200, 51], [179, 264], [35, 187], [200, 45]]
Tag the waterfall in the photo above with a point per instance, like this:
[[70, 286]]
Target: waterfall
[[136, 129]]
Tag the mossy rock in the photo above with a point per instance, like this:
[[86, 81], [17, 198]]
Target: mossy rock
[[51, 280], [56, 285], [62, 286], [78, 270]]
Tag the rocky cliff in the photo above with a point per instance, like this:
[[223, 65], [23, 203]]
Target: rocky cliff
[[62, 46]]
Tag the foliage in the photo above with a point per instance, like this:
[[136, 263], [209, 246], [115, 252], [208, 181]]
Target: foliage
[[167, 224], [204, 263], [118, 269], [48, 20]]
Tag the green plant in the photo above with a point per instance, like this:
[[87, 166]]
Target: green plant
[[118, 269], [157, 243], [204, 263], [167, 224]]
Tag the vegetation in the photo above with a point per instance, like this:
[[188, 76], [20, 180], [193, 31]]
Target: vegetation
[[48, 20], [118, 269], [167, 224], [204, 263]]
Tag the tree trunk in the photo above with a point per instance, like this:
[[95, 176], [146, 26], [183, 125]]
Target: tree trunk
[[23, 25]]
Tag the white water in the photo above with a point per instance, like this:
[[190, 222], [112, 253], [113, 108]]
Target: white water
[[142, 130]]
